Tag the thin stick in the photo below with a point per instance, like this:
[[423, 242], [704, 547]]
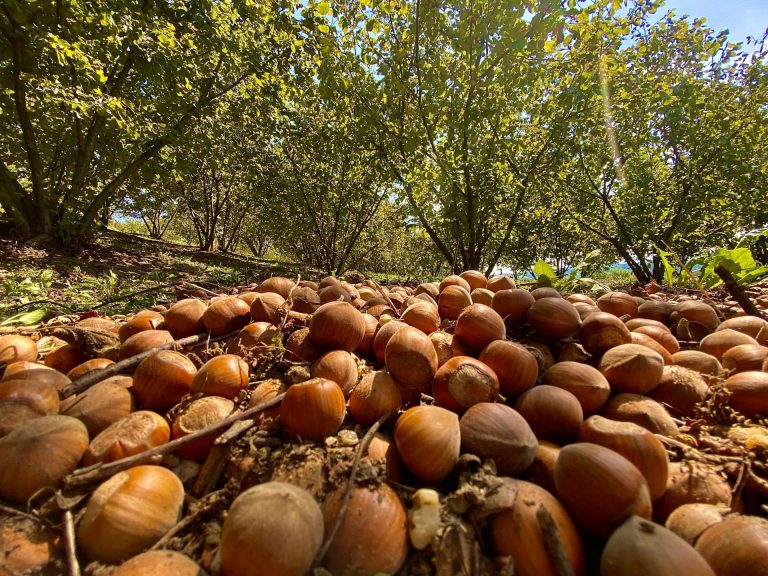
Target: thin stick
[[71, 547], [132, 294], [187, 520], [351, 484], [198, 287], [554, 545], [14, 512], [235, 430], [391, 304], [19, 329], [91, 378], [698, 454], [287, 306], [84, 476], [741, 480], [180, 525], [757, 483], [211, 470], [14, 307]]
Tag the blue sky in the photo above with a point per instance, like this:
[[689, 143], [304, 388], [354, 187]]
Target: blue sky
[[741, 17]]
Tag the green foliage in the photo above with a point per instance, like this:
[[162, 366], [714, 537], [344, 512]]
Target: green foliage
[[545, 274], [324, 178], [576, 279], [671, 142], [99, 89], [413, 137], [738, 261], [613, 278], [388, 248], [453, 82], [700, 270], [25, 288], [670, 275], [757, 242], [26, 318]]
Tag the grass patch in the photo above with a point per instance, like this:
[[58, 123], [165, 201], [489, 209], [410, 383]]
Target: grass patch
[[113, 266]]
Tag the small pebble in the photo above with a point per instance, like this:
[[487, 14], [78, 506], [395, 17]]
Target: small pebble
[[348, 437]]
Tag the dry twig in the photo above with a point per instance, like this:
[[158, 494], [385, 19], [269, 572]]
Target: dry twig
[[386, 297], [757, 483], [73, 566], [287, 306], [14, 307], [203, 290], [692, 452], [210, 503], [92, 378], [11, 511], [211, 470], [362, 449], [554, 545], [84, 476]]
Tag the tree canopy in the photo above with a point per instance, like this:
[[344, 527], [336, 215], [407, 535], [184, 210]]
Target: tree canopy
[[413, 135]]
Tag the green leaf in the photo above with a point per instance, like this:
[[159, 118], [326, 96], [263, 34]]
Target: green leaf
[[669, 271], [736, 260], [323, 8], [709, 280], [323, 28], [26, 318], [545, 274], [372, 25], [753, 275], [750, 237]]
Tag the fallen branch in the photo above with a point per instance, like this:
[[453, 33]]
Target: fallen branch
[[362, 449], [738, 292], [97, 472], [92, 378]]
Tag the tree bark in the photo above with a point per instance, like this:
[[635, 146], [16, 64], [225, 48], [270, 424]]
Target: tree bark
[[41, 221]]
